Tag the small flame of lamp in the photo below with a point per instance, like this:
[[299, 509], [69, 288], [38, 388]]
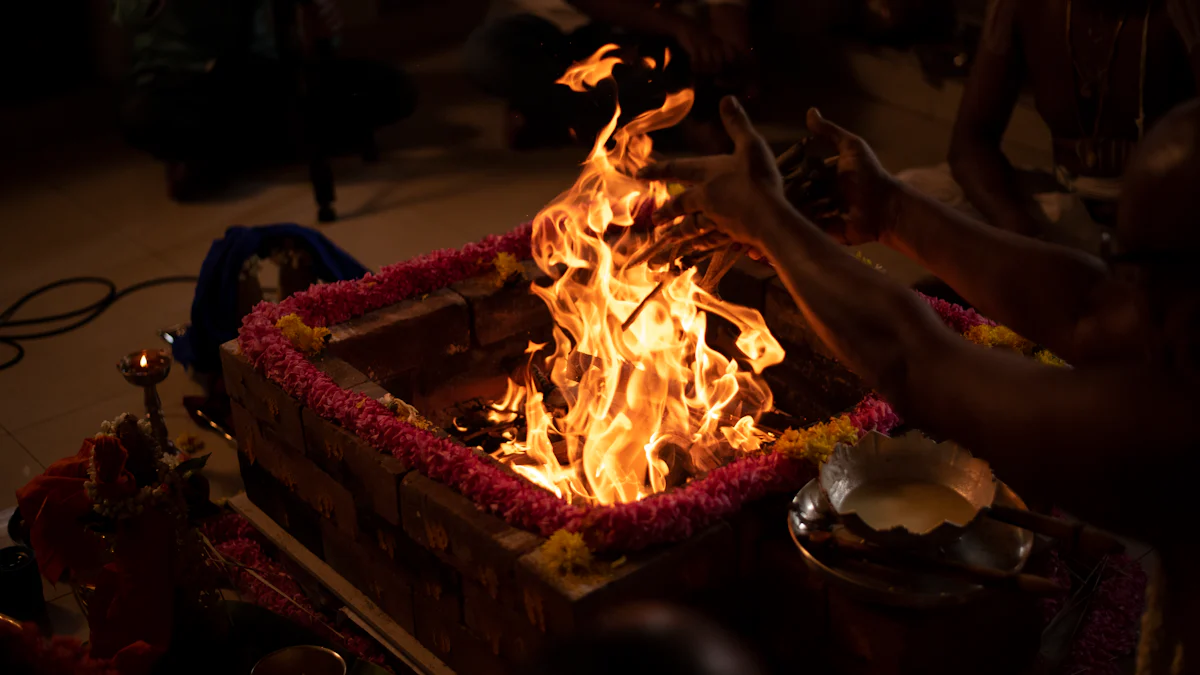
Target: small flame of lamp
[[146, 368]]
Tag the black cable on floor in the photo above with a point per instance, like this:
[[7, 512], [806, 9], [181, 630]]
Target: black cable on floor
[[82, 316]]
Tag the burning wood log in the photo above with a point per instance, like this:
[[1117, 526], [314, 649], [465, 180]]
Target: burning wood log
[[691, 229], [719, 265], [642, 305]]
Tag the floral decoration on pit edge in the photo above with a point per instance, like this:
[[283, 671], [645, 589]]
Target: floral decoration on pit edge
[[662, 518]]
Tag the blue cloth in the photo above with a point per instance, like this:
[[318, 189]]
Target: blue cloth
[[215, 318]]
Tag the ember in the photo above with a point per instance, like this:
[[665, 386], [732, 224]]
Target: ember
[[631, 401]]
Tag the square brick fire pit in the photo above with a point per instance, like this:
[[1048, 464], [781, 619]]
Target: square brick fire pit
[[470, 586]]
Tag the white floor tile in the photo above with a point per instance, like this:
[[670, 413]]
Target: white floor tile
[[70, 371], [66, 618]]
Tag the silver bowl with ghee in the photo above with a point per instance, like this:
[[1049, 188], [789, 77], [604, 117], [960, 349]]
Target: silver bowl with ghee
[[907, 491]]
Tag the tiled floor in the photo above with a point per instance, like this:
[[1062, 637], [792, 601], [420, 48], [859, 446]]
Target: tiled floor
[[97, 208]]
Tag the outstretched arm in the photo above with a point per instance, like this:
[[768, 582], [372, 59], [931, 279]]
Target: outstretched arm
[[976, 160], [1058, 432], [1063, 434], [1042, 291]]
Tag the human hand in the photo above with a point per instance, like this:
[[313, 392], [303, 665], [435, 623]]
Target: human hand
[[731, 190], [866, 190]]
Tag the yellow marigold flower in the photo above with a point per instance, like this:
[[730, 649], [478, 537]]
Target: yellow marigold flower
[[998, 336], [308, 340], [507, 266], [406, 412], [189, 443], [837, 430], [566, 552], [1048, 358], [817, 442], [858, 255]]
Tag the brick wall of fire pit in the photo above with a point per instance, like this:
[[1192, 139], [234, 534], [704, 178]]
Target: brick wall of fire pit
[[470, 587]]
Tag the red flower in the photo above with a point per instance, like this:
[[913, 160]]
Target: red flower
[[625, 527], [236, 540]]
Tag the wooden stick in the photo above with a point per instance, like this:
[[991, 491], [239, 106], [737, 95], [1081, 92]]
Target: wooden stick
[[788, 157], [545, 385], [693, 230], [846, 544], [1079, 537], [397, 640], [691, 233], [722, 261], [642, 305], [689, 228]]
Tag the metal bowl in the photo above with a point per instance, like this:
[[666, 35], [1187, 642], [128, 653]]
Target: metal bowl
[[877, 459], [306, 659], [987, 543]]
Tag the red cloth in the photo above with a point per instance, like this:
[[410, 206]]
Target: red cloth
[[54, 504], [130, 613], [134, 599]]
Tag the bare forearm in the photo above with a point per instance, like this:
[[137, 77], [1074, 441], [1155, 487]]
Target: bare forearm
[[870, 323], [635, 15], [990, 183], [1038, 289]]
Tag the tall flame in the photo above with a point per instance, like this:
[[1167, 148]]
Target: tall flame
[[634, 398]]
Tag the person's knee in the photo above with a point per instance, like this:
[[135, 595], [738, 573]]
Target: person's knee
[[503, 52]]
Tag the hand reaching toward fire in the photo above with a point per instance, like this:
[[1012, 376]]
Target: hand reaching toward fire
[[735, 191], [865, 189], [729, 189]]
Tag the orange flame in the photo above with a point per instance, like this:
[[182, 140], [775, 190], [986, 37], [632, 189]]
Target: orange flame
[[635, 398], [142, 363]]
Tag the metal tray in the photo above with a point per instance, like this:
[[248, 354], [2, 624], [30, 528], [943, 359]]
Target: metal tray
[[986, 542]]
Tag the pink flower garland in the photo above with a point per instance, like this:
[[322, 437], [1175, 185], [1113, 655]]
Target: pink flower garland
[[959, 319], [667, 517], [662, 518], [238, 541]]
